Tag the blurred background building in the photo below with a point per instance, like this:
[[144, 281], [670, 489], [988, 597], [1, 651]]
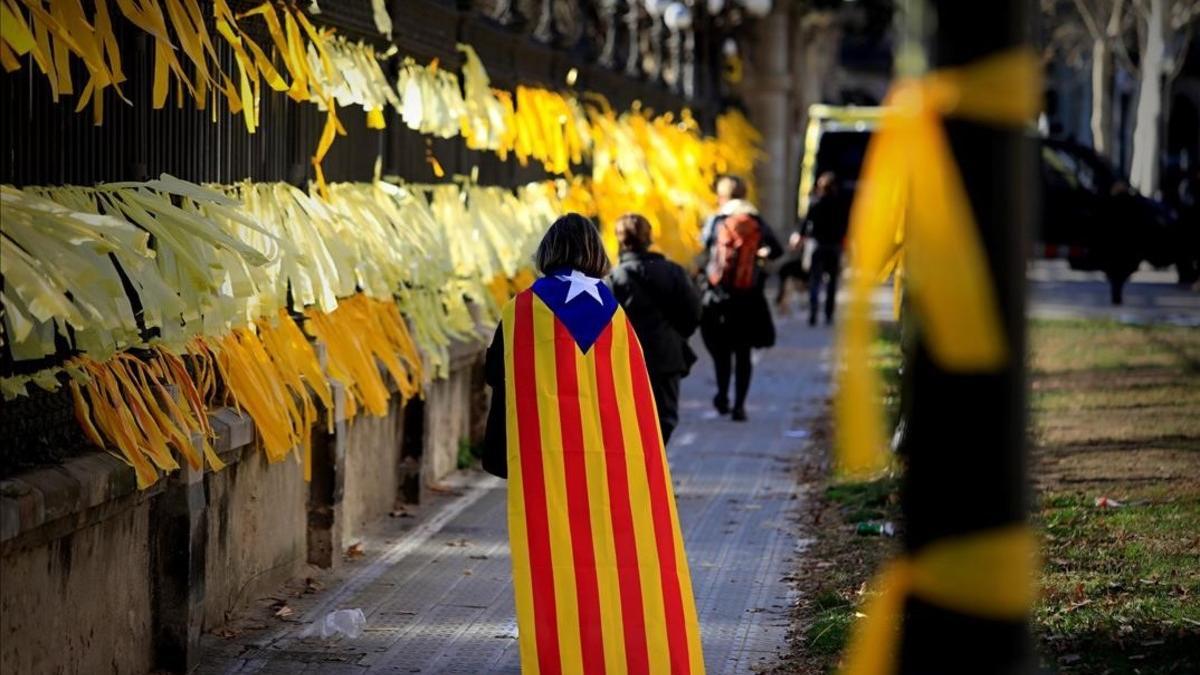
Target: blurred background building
[[805, 52]]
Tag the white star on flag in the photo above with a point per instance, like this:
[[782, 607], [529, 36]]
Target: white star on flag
[[581, 283]]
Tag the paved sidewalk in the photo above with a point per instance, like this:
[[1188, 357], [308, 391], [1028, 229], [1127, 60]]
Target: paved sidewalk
[[436, 588]]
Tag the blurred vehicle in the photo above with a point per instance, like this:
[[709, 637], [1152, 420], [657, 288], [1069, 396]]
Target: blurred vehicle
[[1089, 214], [1082, 195], [835, 140]]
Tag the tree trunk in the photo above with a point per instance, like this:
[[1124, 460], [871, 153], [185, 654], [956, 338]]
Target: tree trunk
[[1102, 74], [1147, 136]]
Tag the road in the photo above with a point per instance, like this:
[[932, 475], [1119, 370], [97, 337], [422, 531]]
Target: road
[[1151, 296], [1058, 292], [436, 588]]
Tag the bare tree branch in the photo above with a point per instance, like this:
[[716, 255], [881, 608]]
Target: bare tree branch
[[1089, 20], [1180, 56], [1113, 34]]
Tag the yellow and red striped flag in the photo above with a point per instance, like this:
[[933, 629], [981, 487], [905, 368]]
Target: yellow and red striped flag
[[599, 570]]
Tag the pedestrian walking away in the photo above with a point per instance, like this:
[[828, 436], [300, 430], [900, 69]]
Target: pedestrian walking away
[[664, 308], [826, 224], [735, 317], [600, 575]]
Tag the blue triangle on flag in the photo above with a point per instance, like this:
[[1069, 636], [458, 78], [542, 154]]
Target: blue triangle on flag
[[583, 316]]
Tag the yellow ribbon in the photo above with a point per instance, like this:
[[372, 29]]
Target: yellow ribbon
[[911, 201], [987, 574]]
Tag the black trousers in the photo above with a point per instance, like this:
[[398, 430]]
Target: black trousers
[[666, 399], [742, 368], [826, 260]]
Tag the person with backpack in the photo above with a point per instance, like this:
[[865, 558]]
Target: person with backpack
[[664, 308], [735, 317]]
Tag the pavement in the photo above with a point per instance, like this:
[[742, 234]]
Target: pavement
[[436, 590]]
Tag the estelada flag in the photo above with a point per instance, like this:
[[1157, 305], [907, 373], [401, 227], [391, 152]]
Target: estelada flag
[[599, 570]]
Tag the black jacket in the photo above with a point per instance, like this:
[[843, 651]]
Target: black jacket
[[661, 303], [495, 438], [827, 221]]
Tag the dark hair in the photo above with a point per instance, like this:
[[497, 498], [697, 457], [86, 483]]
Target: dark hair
[[731, 187], [572, 241], [826, 184], [633, 232]]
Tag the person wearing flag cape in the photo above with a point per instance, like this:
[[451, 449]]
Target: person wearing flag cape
[[599, 570]]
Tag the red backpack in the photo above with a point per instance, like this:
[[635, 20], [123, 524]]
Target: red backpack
[[734, 262]]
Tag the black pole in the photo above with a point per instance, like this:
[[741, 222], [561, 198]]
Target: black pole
[[965, 441]]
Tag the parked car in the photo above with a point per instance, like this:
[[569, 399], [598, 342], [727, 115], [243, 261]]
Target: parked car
[[1092, 217], [1089, 214], [835, 140]]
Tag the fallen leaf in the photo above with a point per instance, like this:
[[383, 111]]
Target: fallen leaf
[[284, 611], [355, 550]]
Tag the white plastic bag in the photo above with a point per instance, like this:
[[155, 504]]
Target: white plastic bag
[[348, 622]]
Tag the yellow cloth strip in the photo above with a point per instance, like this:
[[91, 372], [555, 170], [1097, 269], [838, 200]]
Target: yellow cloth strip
[[988, 574], [912, 201]]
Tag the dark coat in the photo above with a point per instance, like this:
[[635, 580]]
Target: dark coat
[[495, 439], [663, 306], [827, 221]]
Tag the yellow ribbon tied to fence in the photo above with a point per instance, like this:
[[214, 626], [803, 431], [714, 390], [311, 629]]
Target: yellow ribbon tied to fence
[[912, 210]]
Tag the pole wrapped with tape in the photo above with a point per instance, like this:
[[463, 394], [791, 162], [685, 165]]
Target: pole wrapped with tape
[[912, 215], [912, 211]]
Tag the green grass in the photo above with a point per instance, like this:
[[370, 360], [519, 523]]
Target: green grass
[[830, 628], [1075, 345], [871, 500], [1116, 413], [888, 359], [467, 454], [851, 560]]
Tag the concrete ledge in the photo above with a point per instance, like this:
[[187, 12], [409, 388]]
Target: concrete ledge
[[44, 496], [234, 431]]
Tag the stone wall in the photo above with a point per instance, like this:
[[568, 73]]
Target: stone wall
[[451, 406], [257, 532], [98, 576], [374, 449], [80, 603]]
